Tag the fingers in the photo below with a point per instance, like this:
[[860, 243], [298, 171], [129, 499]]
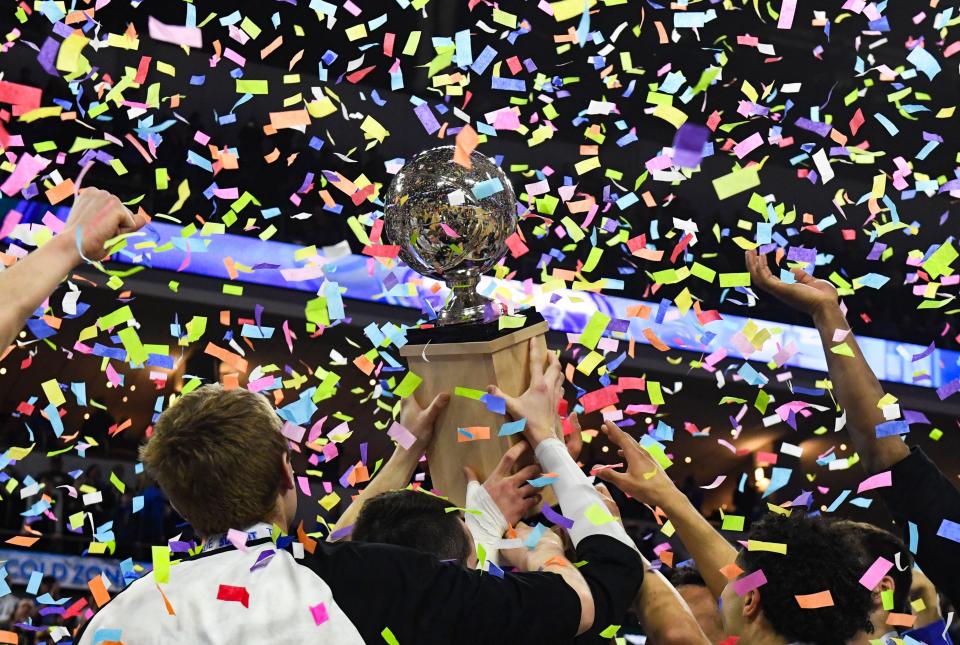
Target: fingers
[[470, 474], [510, 457], [620, 438], [525, 474], [130, 221], [537, 360], [512, 408], [529, 504], [574, 419], [528, 490]]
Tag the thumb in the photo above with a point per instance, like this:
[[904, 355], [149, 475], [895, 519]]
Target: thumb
[[439, 403], [511, 402], [470, 474]]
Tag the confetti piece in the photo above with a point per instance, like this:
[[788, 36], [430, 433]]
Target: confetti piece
[[230, 593], [319, 613], [875, 573], [186, 36], [815, 600], [749, 582]]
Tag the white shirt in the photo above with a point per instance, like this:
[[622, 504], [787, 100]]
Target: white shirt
[[281, 594]]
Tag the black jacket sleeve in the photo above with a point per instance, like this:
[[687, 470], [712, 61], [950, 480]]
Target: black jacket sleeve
[[614, 572], [921, 494], [422, 600]]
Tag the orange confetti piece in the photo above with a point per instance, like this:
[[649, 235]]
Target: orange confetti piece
[[815, 600], [22, 540], [233, 360], [99, 591]]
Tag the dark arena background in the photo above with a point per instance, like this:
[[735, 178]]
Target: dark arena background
[[649, 145]]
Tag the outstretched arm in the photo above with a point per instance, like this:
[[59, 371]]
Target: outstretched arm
[[858, 390], [663, 613], [99, 217], [398, 470], [648, 483]]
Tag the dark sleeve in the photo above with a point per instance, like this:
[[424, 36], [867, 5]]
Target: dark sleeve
[[423, 601], [921, 494], [614, 572]]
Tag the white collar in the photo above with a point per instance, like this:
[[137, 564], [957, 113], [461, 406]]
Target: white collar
[[255, 532]]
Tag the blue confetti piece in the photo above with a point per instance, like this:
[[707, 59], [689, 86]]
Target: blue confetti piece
[[949, 530], [892, 428], [495, 404], [512, 427], [486, 188]]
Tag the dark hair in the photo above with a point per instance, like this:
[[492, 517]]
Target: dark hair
[[415, 520], [821, 556], [686, 574], [878, 543]]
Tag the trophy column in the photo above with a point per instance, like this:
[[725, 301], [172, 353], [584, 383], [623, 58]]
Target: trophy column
[[502, 361]]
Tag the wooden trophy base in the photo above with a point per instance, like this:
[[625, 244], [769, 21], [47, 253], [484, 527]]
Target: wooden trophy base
[[502, 361]]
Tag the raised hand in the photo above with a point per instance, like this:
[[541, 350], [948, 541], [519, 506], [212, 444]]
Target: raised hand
[[420, 421], [99, 216], [807, 294], [538, 404], [644, 479], [510, 492]]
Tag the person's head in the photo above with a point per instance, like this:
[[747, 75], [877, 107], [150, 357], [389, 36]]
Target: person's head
[[416, 520], [23, 612], [220, 459], [820, 556], [877, 543], [690, 585]]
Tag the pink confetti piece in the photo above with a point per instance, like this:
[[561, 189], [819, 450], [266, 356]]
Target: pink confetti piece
[[238, 539], [319, 612], [176, 34], [787, 11], [401, 435], [875, 573], [749, 582], [880, 480]]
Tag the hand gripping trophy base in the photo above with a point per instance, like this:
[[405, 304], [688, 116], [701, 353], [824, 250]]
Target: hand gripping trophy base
[[465, 304]]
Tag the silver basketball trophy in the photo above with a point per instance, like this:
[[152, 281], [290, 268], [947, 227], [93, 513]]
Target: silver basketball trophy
[[451, 223]]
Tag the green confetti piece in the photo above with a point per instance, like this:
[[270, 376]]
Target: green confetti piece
[[408, 385]]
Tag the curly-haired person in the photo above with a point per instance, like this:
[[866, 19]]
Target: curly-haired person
[[791, 606], [796, 581]]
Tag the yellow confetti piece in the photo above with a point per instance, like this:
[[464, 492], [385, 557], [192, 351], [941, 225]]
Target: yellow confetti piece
[[736, 182], [161, 563], [53, 392]]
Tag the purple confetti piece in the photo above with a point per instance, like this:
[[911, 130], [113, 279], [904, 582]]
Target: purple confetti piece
[[823, 129], [923, 354], [341, 533], [949, 388], [688, 144], [429, 121], [556, 518], [263, 559]]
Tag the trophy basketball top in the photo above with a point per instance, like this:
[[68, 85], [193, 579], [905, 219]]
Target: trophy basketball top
[[451, 223]]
